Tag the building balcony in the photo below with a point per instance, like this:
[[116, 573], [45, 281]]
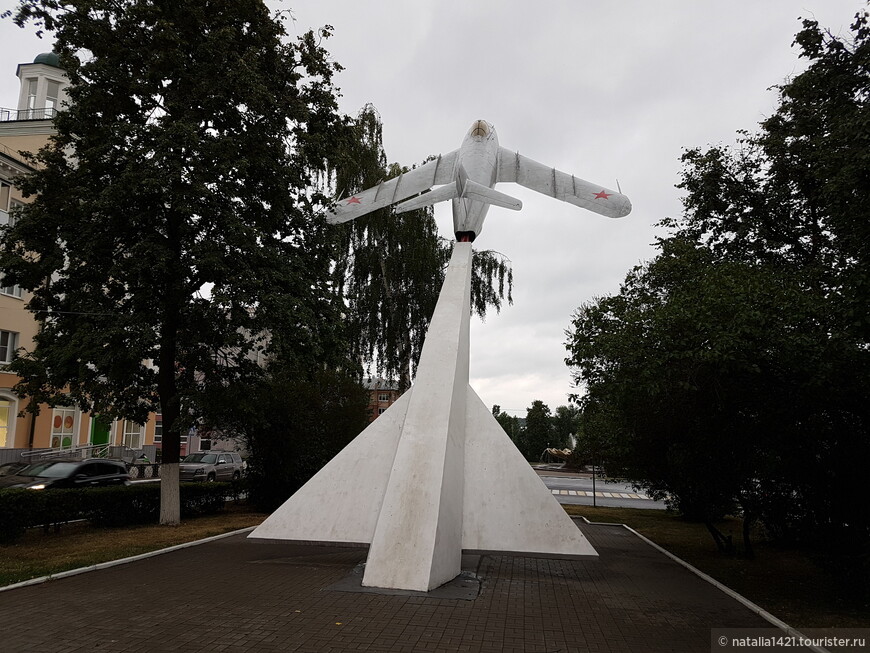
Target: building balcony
[[16, 115]]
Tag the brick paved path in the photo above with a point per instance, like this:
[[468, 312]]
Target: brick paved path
[[233, 595]]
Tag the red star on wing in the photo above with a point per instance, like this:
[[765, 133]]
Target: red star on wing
[[354, 200], [602, 195]]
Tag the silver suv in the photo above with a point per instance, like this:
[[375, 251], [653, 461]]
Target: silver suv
[[211, 466]]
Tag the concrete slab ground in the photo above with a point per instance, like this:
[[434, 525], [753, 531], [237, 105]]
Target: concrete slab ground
[[235, 595]]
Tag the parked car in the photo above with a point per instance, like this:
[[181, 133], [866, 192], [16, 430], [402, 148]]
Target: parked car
[[10, 469], [91, 472], [211, 466]]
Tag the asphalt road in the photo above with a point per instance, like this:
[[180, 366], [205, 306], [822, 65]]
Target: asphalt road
[[578, 491], [575, 490]]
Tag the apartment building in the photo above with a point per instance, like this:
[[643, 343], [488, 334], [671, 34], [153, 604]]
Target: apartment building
[[382, 395]]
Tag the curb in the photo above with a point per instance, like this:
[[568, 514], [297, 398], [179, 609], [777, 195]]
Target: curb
[[121, 561], [757, 609]]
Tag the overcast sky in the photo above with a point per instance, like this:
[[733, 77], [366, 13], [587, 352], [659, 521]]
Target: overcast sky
[[602, 90]]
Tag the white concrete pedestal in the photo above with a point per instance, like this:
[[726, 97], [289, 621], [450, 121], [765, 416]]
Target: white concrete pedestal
[[434, 476]]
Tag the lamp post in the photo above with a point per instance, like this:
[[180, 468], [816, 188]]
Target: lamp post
[[594, 495]]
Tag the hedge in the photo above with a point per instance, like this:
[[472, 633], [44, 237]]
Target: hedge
[[106, 506]]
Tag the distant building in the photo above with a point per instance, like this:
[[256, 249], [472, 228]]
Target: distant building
[[382, 395]]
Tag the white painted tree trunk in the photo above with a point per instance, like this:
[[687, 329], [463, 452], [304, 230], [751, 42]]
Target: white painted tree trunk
[[170, 495]]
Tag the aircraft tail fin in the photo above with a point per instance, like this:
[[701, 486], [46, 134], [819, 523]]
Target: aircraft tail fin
[[446, 192], [491, 196]]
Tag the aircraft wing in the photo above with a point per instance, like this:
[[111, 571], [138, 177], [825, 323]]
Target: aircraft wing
[[435, 173], [522, 170]]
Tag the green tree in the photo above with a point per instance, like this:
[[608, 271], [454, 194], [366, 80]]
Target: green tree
[[693, 372], [510, 424], [184, 163], [292, 426], [537, 433], [390, 267], [794, 196], [595, 438], [734, 368], [566, 425]]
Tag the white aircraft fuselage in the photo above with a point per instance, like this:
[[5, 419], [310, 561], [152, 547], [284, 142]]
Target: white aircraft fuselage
[[478, 160]]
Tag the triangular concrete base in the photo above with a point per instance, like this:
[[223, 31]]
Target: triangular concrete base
[[434, 476], [340, 504], [506, 506]]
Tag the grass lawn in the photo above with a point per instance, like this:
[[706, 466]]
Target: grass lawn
[[785, 582], [78, 545]]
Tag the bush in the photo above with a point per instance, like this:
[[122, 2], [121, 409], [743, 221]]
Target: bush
[[17, 510], [21, 509], [122, 506], [203, 498], [106, 506]]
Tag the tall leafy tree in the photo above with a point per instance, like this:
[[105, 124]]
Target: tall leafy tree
[[509, 423], [390, 267], [734, 368], [693, 372], [566, 425], [793, 194], [172, 221], [538, 430], [293, 425]]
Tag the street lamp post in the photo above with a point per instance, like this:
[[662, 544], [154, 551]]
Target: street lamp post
[[594, 495]]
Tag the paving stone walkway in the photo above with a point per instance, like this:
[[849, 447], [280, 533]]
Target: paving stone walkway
[[234, 595]]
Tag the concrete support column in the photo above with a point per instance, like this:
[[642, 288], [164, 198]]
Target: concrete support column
[[417, 542]]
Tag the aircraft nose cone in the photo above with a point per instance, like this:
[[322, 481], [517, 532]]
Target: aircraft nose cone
[[479, 129]]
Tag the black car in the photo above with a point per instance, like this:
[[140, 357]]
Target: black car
[[93, 472], [10, 469]]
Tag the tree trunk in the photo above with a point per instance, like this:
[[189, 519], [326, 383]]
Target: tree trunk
[[170, 495], [405, 364], [723, 542], [167, 381], [748, 520], [170, 499]]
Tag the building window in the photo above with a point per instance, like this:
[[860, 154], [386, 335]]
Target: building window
[[12, 291], [31, 93], [63, 422], [51, 94], [9, 210], [381, 411], [132, 435], [8, 410], [383, 396], [5, 203], [8, 345], [158, 431]]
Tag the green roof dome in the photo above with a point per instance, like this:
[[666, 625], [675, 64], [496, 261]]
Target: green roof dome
[[48, 58]]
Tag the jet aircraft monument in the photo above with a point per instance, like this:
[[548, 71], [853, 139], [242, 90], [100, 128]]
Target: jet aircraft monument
[[435, 476]]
